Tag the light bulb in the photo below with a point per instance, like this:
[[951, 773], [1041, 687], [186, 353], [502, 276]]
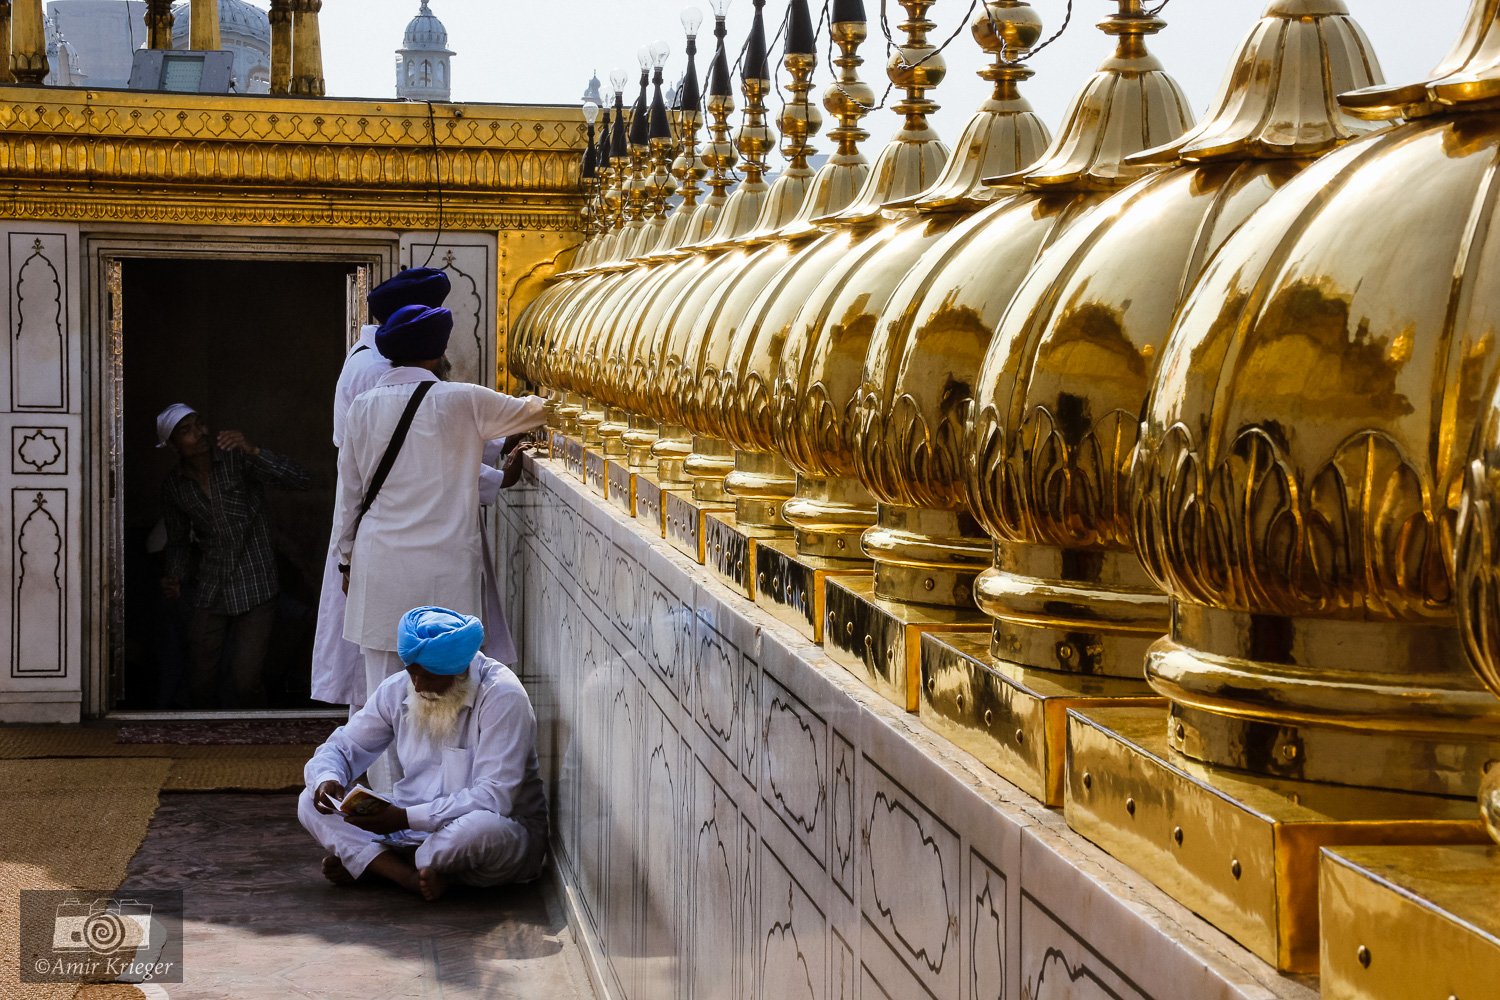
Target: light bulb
[[691, 18], [659, 52], [721, 7], [618, 79], [590, 112], [643, 56]]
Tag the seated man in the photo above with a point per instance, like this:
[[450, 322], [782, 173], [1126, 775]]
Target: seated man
[[469, 800]]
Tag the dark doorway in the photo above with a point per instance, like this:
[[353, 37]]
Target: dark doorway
[[254, 346]]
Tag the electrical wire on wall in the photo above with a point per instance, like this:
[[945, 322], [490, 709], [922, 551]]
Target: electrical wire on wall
[[437, 174]]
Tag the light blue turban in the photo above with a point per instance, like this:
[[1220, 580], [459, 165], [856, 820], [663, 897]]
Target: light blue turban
[[438, 640]]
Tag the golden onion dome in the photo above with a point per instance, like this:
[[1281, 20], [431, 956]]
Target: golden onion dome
[[908, 164], [721, 297], [1302, 455], [1059, 397], [1003, 128], [854, 311], [1477, 565], [925, 357], [834, 185]]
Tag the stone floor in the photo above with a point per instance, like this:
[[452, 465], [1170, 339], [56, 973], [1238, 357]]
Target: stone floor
[[261, 922]]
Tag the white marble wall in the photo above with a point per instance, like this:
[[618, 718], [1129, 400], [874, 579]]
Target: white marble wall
[[738, 818], [41, 530]]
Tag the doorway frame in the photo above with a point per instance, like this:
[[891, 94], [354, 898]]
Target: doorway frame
[[103, 509]]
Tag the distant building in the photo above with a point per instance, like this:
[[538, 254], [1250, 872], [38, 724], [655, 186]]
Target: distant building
[[424, 70], [102, 34], [95, 40]]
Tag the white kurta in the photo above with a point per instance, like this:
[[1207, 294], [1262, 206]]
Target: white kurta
[[338, 672], [419, 544]]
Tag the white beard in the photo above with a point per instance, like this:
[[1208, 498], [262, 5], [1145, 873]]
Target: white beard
[[435, 716]]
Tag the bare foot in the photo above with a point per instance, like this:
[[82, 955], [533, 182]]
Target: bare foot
[[396, 868], [335, 872], [432, 884]]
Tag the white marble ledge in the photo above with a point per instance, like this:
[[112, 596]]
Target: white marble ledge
[[1160, 949]]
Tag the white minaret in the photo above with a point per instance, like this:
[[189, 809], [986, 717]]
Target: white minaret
[[424, 70]]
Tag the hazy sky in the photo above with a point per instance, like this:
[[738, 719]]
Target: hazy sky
[[526, 51]]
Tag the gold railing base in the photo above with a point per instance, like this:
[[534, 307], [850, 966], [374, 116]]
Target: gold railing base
[[570, 450], [1404, 922], [729, 550], [650, 502], [790, 586], [620, 482], [593, 471], [1013, 718], [880, 641], [684, 515], [1240, 850]]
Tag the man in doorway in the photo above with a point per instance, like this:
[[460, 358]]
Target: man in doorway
[[416, 540], [470, 806], [215, 499], [338, 674]]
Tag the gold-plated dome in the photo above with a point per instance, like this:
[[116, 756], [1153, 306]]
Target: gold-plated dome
[[1301, 459], [1477, 565], [931, 334], [909, 164], [1063, 383]]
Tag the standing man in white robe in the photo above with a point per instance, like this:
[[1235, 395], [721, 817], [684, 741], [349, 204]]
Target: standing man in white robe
[[419, 542], [338, 672]]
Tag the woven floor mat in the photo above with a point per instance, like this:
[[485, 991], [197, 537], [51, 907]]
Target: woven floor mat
[[71, 824]]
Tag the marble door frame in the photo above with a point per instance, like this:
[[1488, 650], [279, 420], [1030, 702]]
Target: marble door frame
[[99, 248]]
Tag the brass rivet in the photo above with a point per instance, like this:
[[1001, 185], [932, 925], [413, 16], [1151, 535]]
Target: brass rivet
[[1177, 835], [832, 618], [1363, 955], [1130, 806], [869, 640], [849, 628], [1020, 736], [929, 583], [932, 685], [890, 655], [989, 718], [1064, 651], [1181, 731], [1088, 780], [1234, 868], [1289, 751], [960, 700], [838, 543]]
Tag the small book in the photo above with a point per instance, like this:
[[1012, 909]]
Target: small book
[[358, 801]]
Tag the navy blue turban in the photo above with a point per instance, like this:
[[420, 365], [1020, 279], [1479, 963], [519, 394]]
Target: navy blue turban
[[414, 333], [438, 640], [415, 286]]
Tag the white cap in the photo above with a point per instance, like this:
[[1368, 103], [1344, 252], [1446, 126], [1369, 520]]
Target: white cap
[[167, 421]]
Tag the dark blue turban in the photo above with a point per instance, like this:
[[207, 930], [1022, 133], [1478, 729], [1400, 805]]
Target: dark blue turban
[[415, 286], [414, 333]]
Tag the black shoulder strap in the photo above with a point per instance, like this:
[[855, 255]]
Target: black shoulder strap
[[361, 347], [398, 438]]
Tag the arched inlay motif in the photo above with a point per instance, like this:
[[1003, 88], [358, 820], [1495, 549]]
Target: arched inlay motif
[[39, 598], [37, 327]]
